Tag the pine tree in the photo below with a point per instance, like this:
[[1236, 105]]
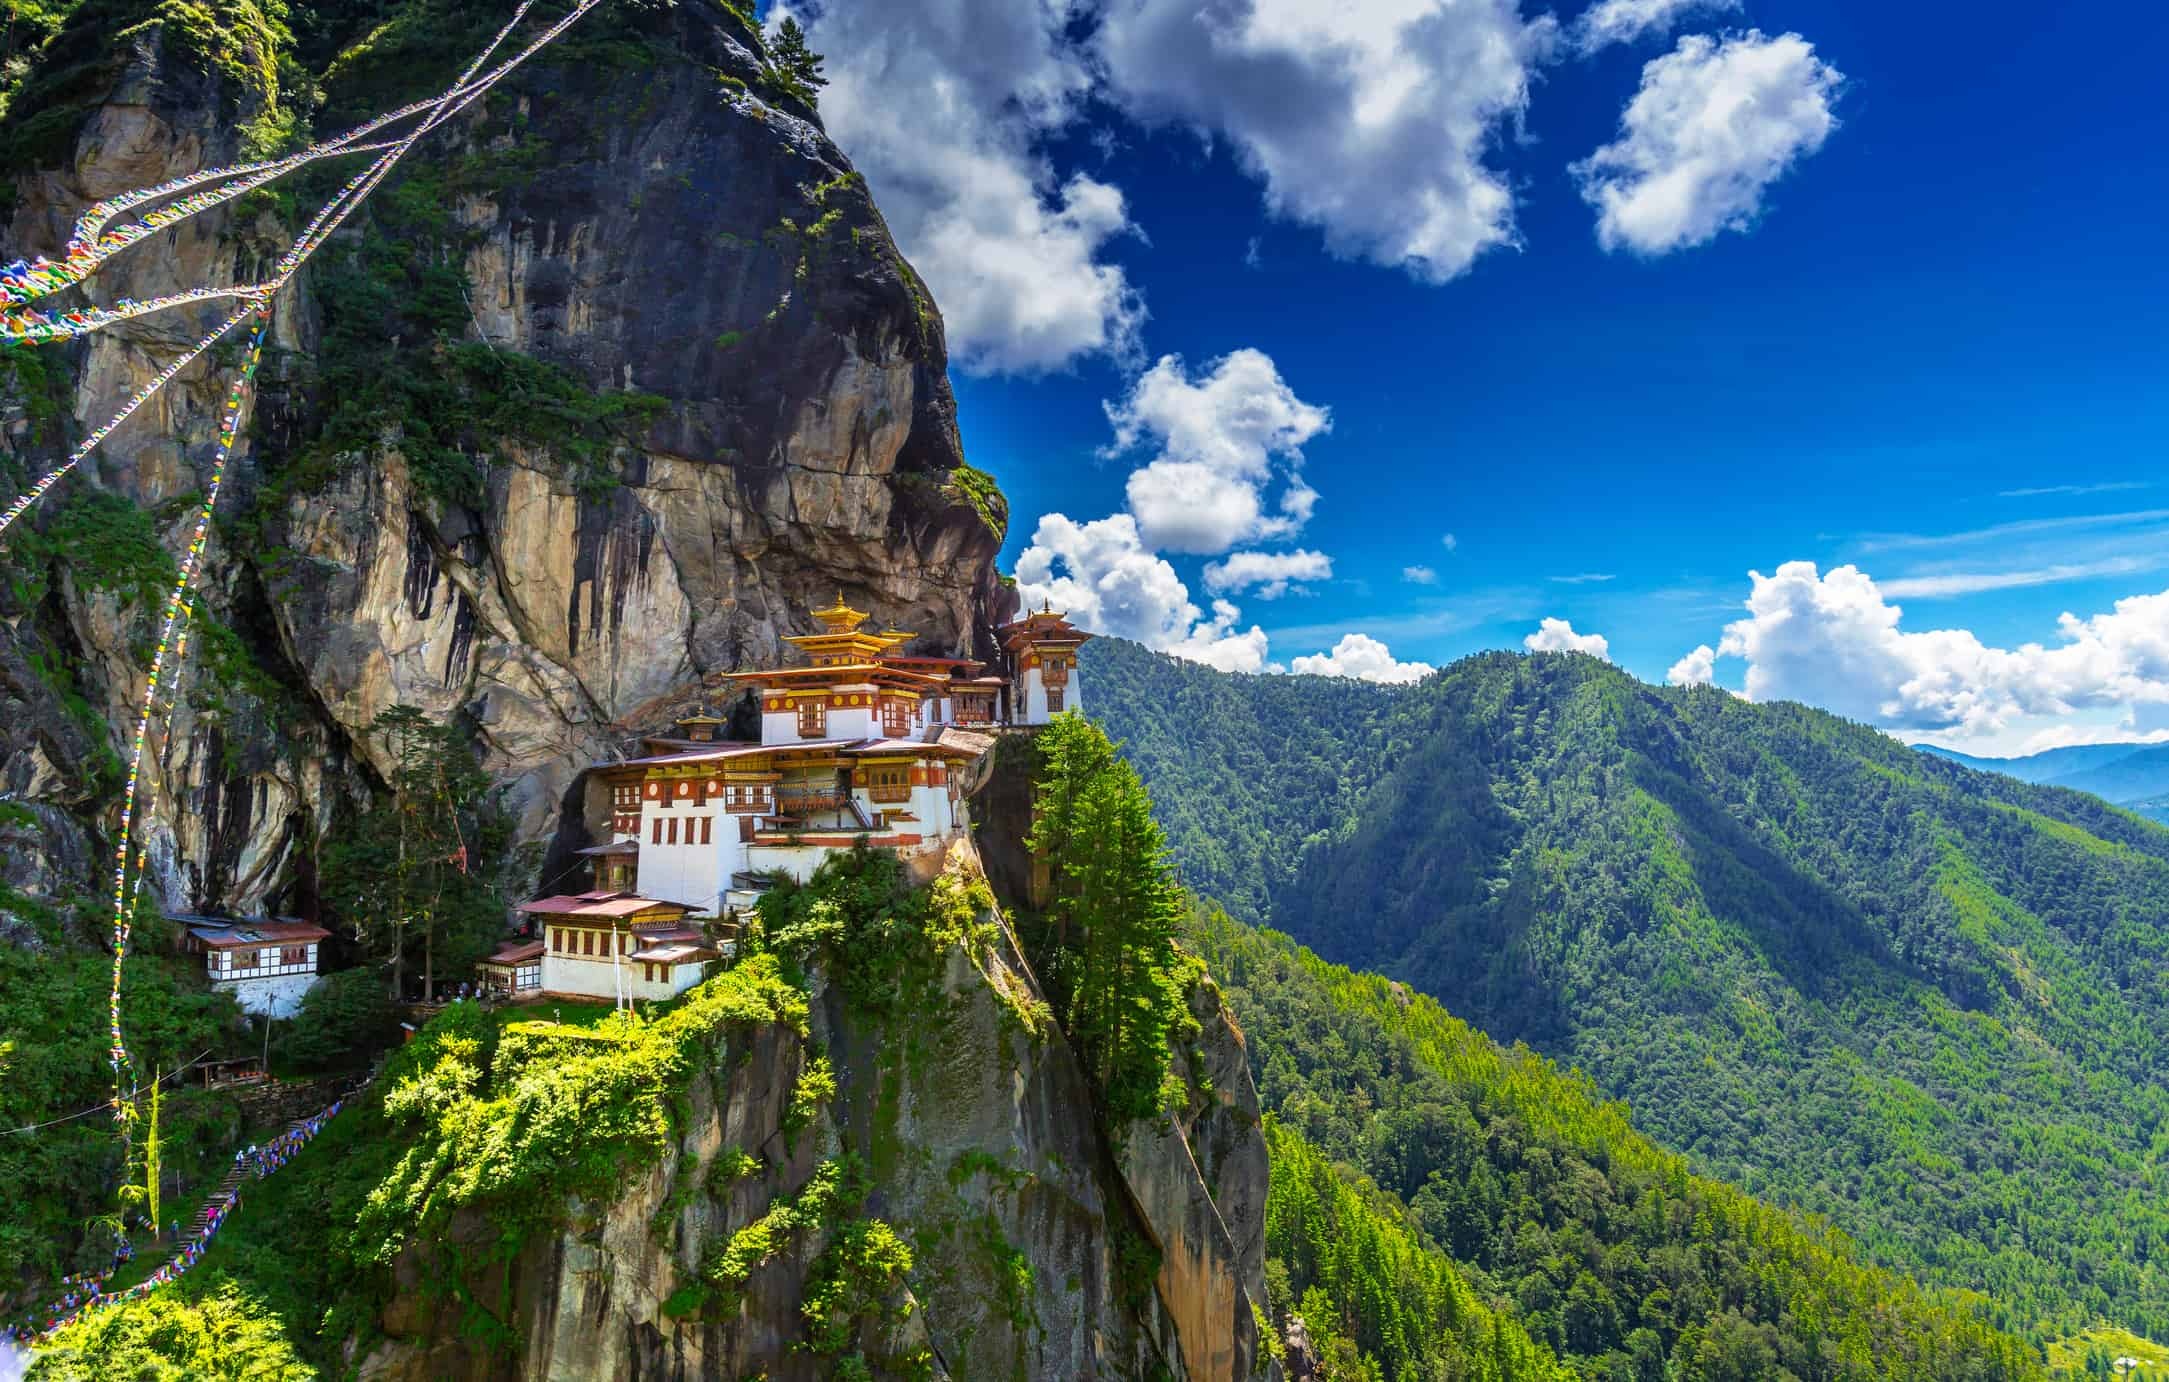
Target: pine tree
[[415, 871], [1114, 910], [794, 66]]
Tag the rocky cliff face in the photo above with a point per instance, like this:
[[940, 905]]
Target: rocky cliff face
[[642, 215], [623, 375], [1032, 1238]]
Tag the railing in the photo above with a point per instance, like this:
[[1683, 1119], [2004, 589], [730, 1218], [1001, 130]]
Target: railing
[[797, 801], [259, 972], [889, 794]]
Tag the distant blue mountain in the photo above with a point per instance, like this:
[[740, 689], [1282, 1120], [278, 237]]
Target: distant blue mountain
[[2133, 775]]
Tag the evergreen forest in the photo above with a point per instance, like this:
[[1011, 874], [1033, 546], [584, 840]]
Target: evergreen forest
[[1925, 1002]]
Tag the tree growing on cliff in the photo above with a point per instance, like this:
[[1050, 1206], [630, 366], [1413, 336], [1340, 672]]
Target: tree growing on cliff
[[415, 874], [1114, 910], [794, 66]]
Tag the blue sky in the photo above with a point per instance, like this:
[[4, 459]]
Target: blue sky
[[1925, 341]]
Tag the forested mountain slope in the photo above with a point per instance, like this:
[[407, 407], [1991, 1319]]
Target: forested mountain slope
[[1243, 770], [1929, 1002], [1605, 1248]]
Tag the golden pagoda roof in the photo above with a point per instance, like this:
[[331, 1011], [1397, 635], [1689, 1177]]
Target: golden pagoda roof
[[841, 633], [845, 673], [840, 617], [865, 644]]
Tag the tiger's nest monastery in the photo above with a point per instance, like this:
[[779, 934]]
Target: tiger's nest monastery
[[860, 745]]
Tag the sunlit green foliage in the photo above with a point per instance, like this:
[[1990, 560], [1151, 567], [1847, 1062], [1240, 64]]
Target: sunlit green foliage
[[226, 1335], [978, 489], [504, 1126], [519, 1136], [1368, 1287], [878, 938]]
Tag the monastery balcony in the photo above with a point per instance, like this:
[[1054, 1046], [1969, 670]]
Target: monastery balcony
[[816, 836], [796, 801], [889, 794]]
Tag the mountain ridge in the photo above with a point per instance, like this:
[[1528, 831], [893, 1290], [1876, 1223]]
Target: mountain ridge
[[1847, 976], [2132, 775]]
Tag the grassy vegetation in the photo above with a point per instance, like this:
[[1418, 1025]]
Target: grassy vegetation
[[2095, 1353], [64, 57], [106, 544], [226, 1336], [970, 485]]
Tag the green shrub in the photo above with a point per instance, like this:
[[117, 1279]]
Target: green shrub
[[226, 1335], [346, 1018]]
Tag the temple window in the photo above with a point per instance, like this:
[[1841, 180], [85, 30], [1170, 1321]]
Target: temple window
[[888, 784], [812, 718]]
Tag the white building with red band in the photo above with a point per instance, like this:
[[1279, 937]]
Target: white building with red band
[[859, 745]]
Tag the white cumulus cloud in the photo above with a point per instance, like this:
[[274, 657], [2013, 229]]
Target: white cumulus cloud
[[1698, 668], [1222, 437], [1833, 640], [1716, 121], [1102, 575], [1419, 575], [1216, 642], [1362, 656], [1558, 636], [1370, 120], [1268, 575], [1624, 21], [1014, 252]]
